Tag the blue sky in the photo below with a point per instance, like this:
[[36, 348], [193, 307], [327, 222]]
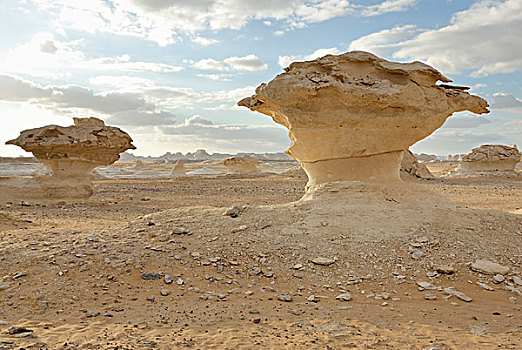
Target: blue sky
[[169, 72]]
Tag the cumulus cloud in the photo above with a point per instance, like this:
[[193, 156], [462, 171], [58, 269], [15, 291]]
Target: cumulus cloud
[[161, 20], [284, 61], [216, 77], [483, 39], [123, 108], [464, 121], [198, 120], [506, 101], [45, 55], [204, 41], [246, 63]]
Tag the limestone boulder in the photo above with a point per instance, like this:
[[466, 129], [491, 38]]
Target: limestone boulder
[[412, 169], [350, 116], [496, 160], [241, 165]]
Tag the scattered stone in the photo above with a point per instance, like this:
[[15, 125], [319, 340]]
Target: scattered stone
[[517, 280], [180, 282], [497, 279], [454, 292], [42, 303], [489, 268], [151, 299], [233, 212], [18, 330], [426, 285], [417, 254], [323, 261], [485, 286], [169, 279], [93, 314], [165, 292], [285, 297], [430, 296], [150, 276], [4, 285], [385, 296], [344, 297], [179, 231], [445, 269]]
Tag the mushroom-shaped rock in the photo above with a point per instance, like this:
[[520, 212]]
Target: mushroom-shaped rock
[[73, 151], [490, 160], [350, 116], [70, 153], [241, 165], [411, 168], [178, 169]]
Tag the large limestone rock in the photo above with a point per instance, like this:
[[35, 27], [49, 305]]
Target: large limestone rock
[[178, 169], [71, 153], [241, 165], [489, 160], [350, 116], [412, 169]]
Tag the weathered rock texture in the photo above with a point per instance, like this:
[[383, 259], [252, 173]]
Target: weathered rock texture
[[178, 169], [411, 168], [71, 153], [496, 160], [350, 116], [241, 165]]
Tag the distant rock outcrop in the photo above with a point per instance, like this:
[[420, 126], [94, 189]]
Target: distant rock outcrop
[[411, 168], [350, 116], [178, 169], [241, 165], [71, 153], [489, 160]]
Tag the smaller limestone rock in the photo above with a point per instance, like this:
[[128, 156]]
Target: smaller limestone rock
[[285, 297], [425, 285], [454, 292], [430, 296], [169, 279], [497, 279], [323, 261], [150, 276], [489, 268], [344, 297], [445, 269], [165, 292]]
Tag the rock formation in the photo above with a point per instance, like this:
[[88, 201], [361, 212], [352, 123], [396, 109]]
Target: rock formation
[[204, 171], [423, 157], [138, 165], [241, 165], [71, 153], [350, 116], [490, 160], [178, 169], [411, 168]]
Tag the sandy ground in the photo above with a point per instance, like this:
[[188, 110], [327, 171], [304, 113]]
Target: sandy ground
[[72, 274]]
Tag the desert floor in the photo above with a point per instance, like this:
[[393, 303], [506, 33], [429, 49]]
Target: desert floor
[[93, 274]]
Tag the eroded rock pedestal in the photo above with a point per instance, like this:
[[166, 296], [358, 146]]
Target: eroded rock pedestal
[[178, 169], [350, 116], [70, 153], [241, 165], [489, 160]]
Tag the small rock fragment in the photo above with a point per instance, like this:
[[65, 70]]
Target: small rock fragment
[[454, 292], [150, 276], [323, 261], [446, 269], [489, 268], [344, 297], [285, 297]]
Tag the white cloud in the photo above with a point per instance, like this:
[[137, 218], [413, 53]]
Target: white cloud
[[249, 63], [198, 120], [216, 77], [204, 41], [506, 101], [484, 39], [388, 6], [46, 56], [464, 121], [161, 20], [384, 42], [120, 81], [246, 63], [284, 61]]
